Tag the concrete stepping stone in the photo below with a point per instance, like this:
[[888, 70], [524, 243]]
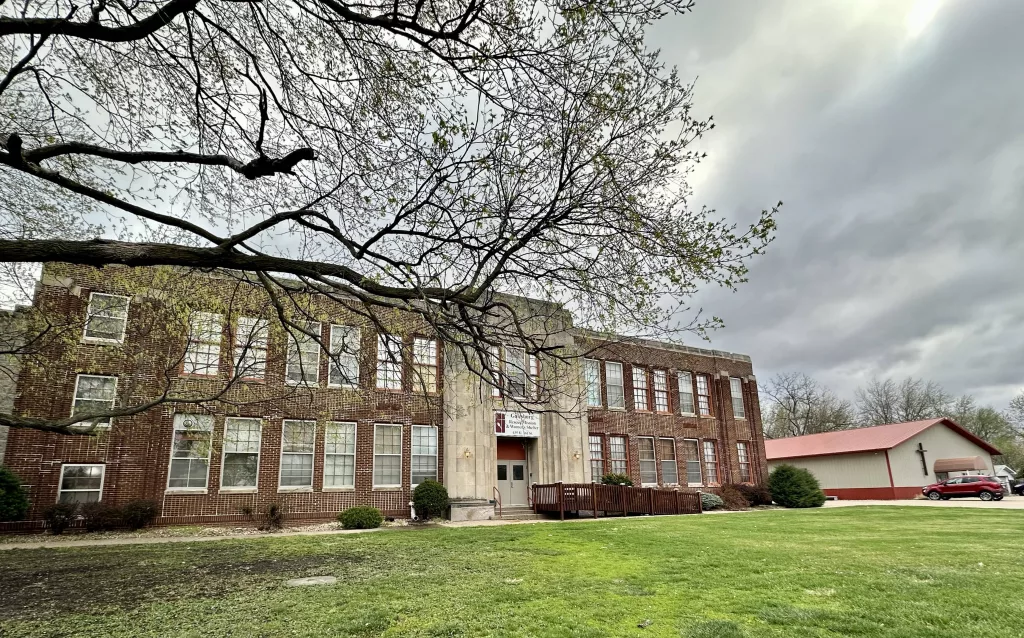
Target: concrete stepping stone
[[311, 580]]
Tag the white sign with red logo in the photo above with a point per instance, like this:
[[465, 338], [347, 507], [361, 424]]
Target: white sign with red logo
[[520, 424]]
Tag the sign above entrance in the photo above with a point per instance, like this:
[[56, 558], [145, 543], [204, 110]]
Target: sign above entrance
[[521, 424]]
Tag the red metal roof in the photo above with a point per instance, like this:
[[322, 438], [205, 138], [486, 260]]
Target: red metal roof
[[878, 437]]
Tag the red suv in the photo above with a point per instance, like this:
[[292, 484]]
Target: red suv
[[987, 488]]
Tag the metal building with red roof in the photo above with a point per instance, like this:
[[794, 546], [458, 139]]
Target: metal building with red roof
[[885, 461]]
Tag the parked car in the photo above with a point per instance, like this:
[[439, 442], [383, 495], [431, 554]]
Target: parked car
[[1018, 489], [987, 488]]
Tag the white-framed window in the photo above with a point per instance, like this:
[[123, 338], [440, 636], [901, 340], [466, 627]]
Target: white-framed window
[[617, 455], [533, 376], [190, 452], [640, 389], [303, 365], [711, 462], [81, 483], [343, 370], [93, 393], [667, 454], [298, 443], [389, 362], [596, 458], [424, 364], [106, 317], [613, 381], [686, 394], [704, 395], [387, 455], [648, 461], [736, 390], [240, 464], [202, 354], [515, 372], [744, 459], [660, 378], [424, 454], [691, 452], [340, 455], [592, 380], [251, 336]]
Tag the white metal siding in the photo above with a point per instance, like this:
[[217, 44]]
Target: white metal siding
[[838, 471], [940, 442]]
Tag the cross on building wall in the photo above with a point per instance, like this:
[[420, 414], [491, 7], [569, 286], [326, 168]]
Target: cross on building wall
[[924, 463]]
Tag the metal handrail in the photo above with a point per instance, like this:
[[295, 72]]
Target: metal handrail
[[497, 499]]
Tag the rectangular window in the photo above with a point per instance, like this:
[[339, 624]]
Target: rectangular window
[[711, 462], [592, 379], [648, 462], [340, 455], [596, 458], [298, 442], [691, 452], [669, 469], [303, 365], [251, 347], [744, 459], [686, 394], [389, 362], [533, 380], [80, 483], [515, 372], [640, 389], [106, 318], [704, 395], [424, 364], [343, 370], [613, 378], [494, 363], [190, 452], [617, 454], [93, 394], [736, 390], [424, 454], [241, 464], [202, 354], [387, 455], [660, 390]]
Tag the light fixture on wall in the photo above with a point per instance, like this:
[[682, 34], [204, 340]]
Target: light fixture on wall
[[576, 455], [467, 453]]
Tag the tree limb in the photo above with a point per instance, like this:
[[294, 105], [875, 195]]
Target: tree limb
[[92, 30]]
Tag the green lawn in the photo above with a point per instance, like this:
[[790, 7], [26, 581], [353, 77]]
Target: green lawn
[[883, 571]]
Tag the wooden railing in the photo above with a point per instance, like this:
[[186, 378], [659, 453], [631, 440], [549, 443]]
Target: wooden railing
[[611, 500], [497, 499]]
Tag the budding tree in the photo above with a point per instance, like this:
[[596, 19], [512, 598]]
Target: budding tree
[[412, 155]]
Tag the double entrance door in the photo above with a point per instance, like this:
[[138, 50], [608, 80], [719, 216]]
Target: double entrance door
[[512, 483]]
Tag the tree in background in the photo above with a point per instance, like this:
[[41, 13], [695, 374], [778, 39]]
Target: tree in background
[[888, 401], [796, 404], [400, 155]]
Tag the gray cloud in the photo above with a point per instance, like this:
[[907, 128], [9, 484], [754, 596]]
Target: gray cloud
[[895, 143]]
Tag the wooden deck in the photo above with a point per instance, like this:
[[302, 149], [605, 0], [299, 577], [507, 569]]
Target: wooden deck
[[597, 499]]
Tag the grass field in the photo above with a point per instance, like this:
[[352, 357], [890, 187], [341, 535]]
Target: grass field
[[887, 571]]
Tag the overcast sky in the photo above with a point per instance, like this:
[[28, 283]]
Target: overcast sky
[[894, 134]]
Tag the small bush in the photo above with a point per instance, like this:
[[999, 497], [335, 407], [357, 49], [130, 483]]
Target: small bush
[[709, 501], [795, 487], [616, 479], [59, 517], [13, 500], [361, 517], [99, 516], [733, 498], [139, 514], [430, 499], [755, 494], [266, 521]]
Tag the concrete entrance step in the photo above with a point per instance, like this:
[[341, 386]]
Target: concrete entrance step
[[516, 514]]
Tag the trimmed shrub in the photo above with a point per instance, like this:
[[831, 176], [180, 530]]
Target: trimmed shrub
[[139, 514], [361, 517], [266, 521], [795, 487], [59, 517], [709, 501], [612, 478], [430, 499], [733, 498], [13, 500], [99, 517], [755, 494]]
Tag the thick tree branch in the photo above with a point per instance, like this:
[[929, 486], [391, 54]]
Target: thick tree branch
[[92, 30]]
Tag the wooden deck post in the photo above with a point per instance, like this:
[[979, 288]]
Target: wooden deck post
[[622, 499], [561, 503], [593, 497], [651, 500], [677, 502]]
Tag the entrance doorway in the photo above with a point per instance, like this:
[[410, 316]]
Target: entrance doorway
[[512, 478]]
